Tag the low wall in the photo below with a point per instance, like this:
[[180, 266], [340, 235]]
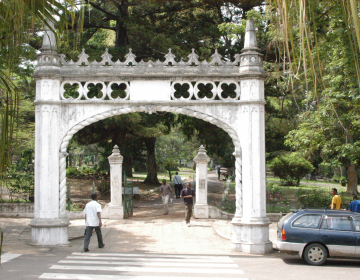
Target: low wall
[[17, 210], [216, 213], [26, 210]]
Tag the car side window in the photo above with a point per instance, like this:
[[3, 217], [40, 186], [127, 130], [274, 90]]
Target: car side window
[[307, 221], [341, 223], [357, 225]]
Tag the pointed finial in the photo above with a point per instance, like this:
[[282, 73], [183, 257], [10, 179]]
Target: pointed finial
[[116, 150], [201, 157], [250, 36], [49, 40]]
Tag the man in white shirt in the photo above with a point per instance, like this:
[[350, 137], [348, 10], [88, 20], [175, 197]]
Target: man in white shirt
[[93, 221], [178, 183]]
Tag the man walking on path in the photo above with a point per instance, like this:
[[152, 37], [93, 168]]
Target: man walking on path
[[355, 204], [178, 183], [188, 195], [336, 202], [166, 191], [219, 172], [93, 221]]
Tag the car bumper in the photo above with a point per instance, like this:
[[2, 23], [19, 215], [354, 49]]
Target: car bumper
[[290, 247]]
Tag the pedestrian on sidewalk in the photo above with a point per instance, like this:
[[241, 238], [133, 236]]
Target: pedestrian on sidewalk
[[355, 204], [166, 192], [188, 195], [93, 221], [336, 202], [178, 183], [219, 172]]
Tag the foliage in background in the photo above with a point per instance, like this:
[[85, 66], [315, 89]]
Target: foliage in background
[[275, 196], [18, 20], [320, 47], [290, 167]]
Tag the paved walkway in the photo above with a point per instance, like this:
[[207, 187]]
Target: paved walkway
[[149, 230]]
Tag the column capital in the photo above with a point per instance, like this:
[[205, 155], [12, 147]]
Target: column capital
[[201, 157], [115, 157]]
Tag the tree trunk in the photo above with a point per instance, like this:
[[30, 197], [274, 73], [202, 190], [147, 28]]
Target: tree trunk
[[313, 175], [128, 166], [151, 177], [352, 179], [342, 171]]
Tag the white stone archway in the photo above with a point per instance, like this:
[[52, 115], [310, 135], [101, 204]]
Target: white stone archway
[[151, 87]]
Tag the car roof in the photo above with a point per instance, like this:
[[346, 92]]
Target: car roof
[[328, 212]]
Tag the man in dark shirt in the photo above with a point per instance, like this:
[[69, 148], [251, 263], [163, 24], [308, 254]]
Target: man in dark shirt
[[188, 195]]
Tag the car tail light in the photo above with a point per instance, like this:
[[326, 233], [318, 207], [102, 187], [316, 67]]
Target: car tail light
[[283, 234]]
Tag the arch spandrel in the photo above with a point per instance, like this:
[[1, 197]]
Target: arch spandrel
[[74, 118]]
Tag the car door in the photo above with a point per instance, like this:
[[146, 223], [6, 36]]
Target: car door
[[337, 234], [357, 236]]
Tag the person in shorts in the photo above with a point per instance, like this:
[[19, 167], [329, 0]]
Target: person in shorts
[[166, 192]]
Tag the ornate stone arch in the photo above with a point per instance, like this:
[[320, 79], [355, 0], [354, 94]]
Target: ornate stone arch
[[125, 110], [229, 94]]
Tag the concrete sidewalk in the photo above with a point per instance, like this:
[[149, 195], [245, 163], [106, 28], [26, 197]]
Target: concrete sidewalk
[[162, 235]]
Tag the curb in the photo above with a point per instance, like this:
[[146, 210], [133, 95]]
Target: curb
[[219, 233]]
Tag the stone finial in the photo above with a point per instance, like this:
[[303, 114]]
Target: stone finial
[[250, 36], [251, 62], [115, 157], [49, 40], [202, 157]]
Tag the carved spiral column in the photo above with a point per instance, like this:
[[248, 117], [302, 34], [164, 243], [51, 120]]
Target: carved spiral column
[[63, 156], [238, 181]]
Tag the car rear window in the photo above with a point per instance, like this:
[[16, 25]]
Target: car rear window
[[307, 221], [357, 225], [341, 223], [283, 219]]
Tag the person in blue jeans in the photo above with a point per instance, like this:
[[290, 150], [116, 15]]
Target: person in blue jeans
[[355, 204], [93, 221]]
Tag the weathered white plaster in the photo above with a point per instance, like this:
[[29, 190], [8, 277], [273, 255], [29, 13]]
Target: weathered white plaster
[[150, 88], [201, 208], [116, 210]]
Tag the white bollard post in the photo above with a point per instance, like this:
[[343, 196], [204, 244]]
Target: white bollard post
[[116, 210], [201, 208]]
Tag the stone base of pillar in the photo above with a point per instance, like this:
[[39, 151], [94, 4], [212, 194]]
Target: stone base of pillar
[[201, 211], [251, 236], [49, 232], [116, 212]]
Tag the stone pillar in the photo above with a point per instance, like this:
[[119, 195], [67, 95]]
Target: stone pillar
[[116, 210], [250, 223], [48, 228], [201, 208]]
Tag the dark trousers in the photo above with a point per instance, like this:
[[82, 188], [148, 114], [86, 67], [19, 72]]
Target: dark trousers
[[88, 234], [178, 189], [188, 212]]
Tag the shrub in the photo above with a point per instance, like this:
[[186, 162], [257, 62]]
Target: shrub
[[290, 167], [274, 196], [72, 172], [104, 188], [313, 198]]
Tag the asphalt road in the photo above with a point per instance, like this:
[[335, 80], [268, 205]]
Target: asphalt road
[[71, 263]]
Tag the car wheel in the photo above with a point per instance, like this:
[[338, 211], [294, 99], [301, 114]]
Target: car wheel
[[315, 254]]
